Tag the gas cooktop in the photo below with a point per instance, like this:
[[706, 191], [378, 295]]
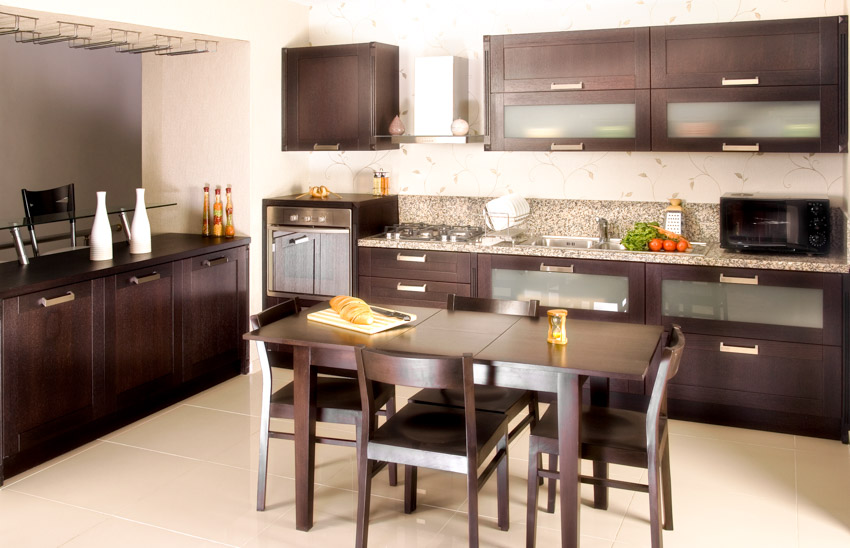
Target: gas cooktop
[[424, 232]]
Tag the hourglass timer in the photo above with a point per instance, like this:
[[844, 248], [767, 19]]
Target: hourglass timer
[[557, 326]]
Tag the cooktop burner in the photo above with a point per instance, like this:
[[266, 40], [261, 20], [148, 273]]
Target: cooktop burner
[[423, 232]]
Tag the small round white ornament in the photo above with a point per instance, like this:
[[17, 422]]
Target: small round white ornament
[[460, 127]]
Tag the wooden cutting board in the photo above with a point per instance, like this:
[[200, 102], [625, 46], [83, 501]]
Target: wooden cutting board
[[381, 323]]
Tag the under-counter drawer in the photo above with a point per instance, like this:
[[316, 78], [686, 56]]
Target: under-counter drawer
[[407, 291], [759, 374], [438, 266]]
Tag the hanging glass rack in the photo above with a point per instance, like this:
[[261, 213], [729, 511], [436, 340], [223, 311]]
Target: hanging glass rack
[[11, 23]]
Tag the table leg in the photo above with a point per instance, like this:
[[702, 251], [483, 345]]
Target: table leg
[[569, 412], [305, 436], [600, 396]]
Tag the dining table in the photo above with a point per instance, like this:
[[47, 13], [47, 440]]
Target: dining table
[[508, 351]]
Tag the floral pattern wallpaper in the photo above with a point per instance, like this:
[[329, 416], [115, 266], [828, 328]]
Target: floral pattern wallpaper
[[449, 27]]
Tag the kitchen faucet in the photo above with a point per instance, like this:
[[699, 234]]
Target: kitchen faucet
[[602, 225]]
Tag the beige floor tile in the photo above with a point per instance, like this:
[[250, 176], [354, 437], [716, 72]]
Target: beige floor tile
[[713, 431], [140, 422], [823, 482], [193, 432], [106, 478], [23, 519], [52, 462], [241, 394], [213, 502], [831, 447], [128, 534]]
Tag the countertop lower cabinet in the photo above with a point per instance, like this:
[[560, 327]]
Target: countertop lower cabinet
[[413, 277], [87, 348], [763, 347]]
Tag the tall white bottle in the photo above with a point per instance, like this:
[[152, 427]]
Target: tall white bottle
[[100, 240], [140, 229]]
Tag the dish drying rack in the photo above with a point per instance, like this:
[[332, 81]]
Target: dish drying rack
[[516, 228]]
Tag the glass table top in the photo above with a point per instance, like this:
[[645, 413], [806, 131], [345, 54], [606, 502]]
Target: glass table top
[[6, 224]]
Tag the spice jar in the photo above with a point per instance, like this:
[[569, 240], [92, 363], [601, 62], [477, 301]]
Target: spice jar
[[385, 184], [376, 183], [557, 326]]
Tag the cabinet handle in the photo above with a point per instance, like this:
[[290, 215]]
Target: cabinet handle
[[410, 258], [740, 81], [213, 262], [299, 240], [735, 280], [547, 268], [578, 85], [740, 148], [753, 350], [414, 288], [67, 297], [579, 146], [317, 146], [144, 279]]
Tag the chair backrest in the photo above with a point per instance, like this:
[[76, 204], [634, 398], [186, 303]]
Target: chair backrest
[[275, 313], [497, 306], [414, 371], [667, 369], [45, 202]]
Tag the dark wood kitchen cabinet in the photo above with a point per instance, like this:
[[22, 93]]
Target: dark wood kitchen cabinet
[[559, 91], [413, 277], [763, 346], [339, 97], [140, 337]]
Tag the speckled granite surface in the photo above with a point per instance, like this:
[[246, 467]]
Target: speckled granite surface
[[578, 218]]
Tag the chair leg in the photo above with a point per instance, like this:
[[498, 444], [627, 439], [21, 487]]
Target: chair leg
[[534, 411], [534, 459], [654, 504], [472, 504], [667, 488], [503, 490], [600, 492], [409, 489], [262, 471], [553, 484], [364, 488], [392, 467]]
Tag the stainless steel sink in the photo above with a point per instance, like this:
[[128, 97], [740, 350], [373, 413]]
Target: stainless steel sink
[[562, 242], [610, 245]]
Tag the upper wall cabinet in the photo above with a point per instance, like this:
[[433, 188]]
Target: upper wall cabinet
[[339, 97], [769, 86], [586, 90]]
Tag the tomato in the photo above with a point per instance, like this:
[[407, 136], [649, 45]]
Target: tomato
[[682, 245], [669, 245], [655, 244]]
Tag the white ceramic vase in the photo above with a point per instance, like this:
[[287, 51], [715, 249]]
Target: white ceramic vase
[[100, 239], [140, 229]]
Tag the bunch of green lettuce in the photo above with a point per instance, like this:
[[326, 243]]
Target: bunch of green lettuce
[[637, 239]]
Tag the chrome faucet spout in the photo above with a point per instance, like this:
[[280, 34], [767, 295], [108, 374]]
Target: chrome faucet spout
[[602, 225]]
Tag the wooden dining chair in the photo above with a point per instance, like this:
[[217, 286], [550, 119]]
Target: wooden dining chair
[[337, 397], [433, 436], [508, 401], [46, 202], [616, 436]]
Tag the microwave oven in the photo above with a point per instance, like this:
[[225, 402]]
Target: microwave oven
[[774, 223]]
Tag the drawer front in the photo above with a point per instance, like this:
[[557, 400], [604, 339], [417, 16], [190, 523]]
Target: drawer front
[[407, 291], [801, 307], [438, 266], [760, 374]]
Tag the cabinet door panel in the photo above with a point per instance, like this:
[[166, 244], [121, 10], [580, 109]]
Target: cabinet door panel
[[140, 333], [48, 364], [413, 292]]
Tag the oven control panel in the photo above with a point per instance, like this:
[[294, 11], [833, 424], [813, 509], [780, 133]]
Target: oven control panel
[[308, 216]]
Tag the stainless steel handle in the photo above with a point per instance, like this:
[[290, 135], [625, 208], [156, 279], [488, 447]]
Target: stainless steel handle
[[305, 229], [754, 350], [67, 297], [578, 85], [736, 280], [579, 146], [547, 268], [299, 240], [740, 81], [740, 148], [410, 258], [317, 146], [414, 288], [213, 262], [144, 279]]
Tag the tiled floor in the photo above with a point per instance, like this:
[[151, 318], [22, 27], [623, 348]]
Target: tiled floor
[[187, 477]]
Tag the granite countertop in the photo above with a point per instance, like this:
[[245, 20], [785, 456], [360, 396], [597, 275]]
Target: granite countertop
[[714, 256]]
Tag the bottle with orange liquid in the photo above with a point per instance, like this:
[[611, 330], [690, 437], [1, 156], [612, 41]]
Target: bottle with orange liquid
[[229, 230], [205, 230], [217, 228]]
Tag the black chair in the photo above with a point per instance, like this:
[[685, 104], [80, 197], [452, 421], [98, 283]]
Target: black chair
[[443, 438], [509, 401], [616, 436], [46, 202], [337, 397]]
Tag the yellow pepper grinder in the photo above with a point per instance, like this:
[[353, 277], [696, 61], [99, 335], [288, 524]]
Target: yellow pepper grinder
[[557, 326]]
